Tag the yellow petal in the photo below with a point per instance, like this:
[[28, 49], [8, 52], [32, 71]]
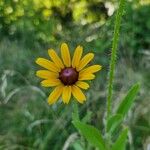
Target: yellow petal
[[55, 58], [86, 76], [91, 69], [65, 54], [50, 82], [53, 97], [85, 60], [47, 64], [78, 94], [66, 95], [45, 74], [77, 56], [82, 85]]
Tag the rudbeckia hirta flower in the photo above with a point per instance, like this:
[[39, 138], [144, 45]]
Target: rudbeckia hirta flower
[[67, 75]]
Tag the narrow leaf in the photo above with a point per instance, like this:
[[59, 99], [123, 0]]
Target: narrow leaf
[[121, 141], [113, 122], [128, 100], [92, 134]]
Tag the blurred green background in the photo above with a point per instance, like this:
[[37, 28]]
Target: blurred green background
[[28, 28]]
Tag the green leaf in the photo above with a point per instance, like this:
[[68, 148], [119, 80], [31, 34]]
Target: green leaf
[[121, 141], [113, 122], [128, 100], [92, 134]]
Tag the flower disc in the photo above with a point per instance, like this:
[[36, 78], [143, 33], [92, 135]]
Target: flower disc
[[68, 76]]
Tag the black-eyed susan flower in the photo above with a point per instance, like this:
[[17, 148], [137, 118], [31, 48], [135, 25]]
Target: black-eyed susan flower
[[66, 75]]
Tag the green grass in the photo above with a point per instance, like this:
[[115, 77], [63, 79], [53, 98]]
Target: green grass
[[27, 122]]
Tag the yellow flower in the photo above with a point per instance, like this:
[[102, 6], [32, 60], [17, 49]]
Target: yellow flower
[[66, 75]]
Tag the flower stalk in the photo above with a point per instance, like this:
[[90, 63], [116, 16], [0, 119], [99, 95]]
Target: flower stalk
[[75, 111], [113, 56]]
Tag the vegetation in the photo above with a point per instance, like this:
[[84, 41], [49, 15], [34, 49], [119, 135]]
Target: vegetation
[[28, 28]]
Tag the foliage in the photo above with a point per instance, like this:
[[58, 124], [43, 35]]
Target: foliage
[[92, 134], [26, 120], [36, 17]]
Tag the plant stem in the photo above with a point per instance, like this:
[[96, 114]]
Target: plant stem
[[113, 56], [75, 114]]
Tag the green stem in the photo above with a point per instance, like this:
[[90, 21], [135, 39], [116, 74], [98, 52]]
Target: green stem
[[113, 56], [75, 114]]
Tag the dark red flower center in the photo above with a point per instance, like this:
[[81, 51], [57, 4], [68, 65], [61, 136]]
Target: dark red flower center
[[68, 76]]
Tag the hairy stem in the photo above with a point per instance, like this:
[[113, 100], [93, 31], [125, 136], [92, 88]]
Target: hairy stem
[[113, 56]]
